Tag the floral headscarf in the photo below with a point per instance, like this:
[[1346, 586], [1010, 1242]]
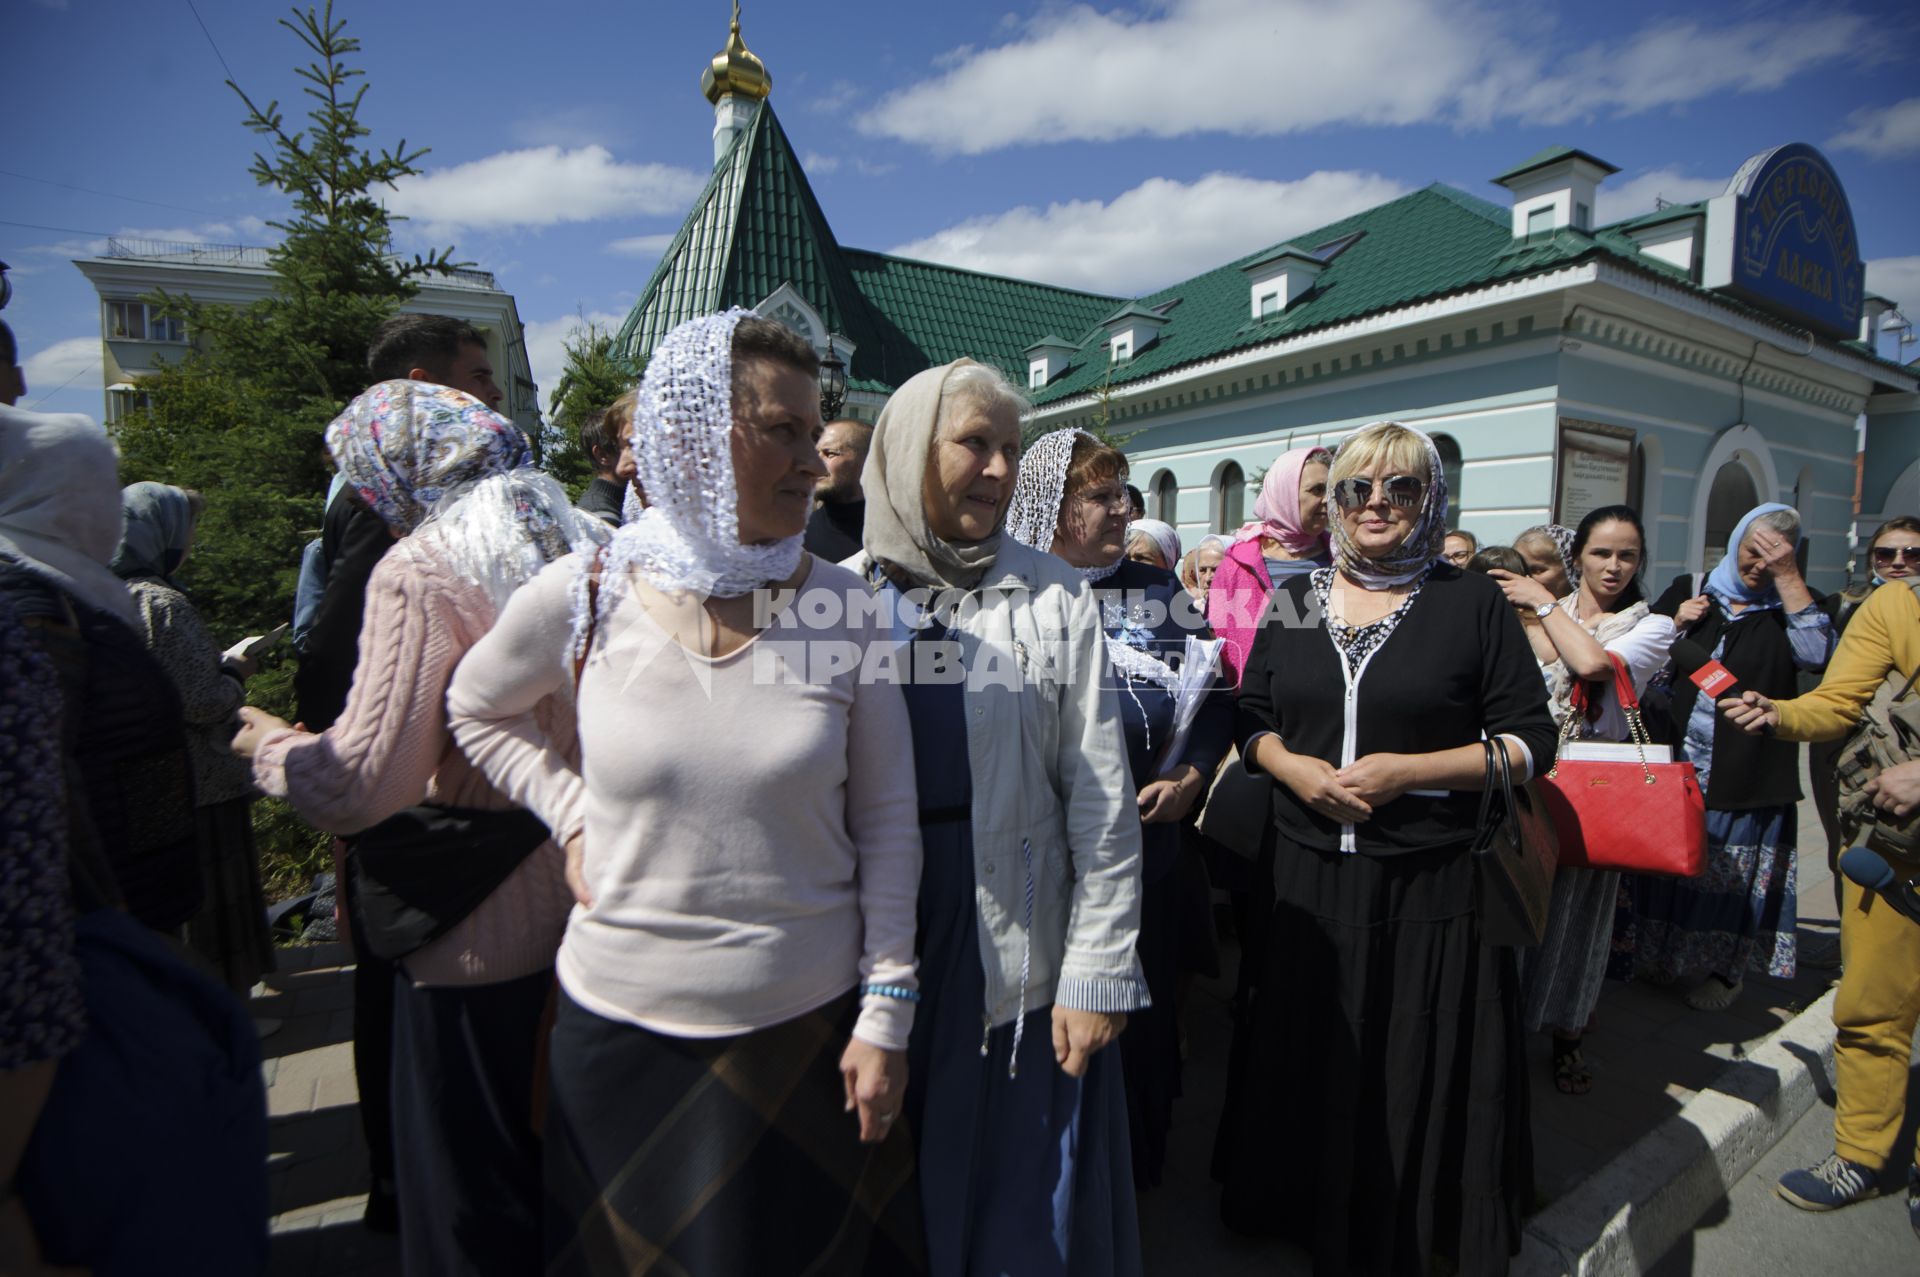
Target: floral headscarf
[[158, 528], [1276, 511], [404, 445], [1409, 560], [687, 539], [431, 460], [1563, 539]]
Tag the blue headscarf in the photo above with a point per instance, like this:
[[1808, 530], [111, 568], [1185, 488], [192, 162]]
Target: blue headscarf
[[1725, 583], [158, 528]]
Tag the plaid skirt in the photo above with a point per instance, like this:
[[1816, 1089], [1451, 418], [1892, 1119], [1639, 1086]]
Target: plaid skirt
[[718, 1155]]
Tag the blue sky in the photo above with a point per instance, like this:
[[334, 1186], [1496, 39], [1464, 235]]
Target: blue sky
[[1109, 147]]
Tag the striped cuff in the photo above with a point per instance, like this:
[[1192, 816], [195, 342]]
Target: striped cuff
[[884, 1022], [1109, 995]]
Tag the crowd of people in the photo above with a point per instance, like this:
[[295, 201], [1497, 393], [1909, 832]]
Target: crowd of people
[[796, 853]]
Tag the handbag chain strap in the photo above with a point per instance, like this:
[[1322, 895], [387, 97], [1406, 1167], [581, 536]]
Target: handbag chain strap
[[1629, 704]]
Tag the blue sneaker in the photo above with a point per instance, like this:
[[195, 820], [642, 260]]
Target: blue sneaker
[[1832, 1184]]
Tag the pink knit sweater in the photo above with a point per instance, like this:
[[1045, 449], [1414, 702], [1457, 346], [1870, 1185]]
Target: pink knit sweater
[[390, 749], [1235, 601]]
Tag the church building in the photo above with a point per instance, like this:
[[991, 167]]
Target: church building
[[1692, 362]]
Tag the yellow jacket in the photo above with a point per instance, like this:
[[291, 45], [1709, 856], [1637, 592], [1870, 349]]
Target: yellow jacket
[[1883, 636]]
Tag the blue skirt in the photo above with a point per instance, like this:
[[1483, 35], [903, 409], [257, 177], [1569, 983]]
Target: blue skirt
[[1737, 916], [1023, 1170]]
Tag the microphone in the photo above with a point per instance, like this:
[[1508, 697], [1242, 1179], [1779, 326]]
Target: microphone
[[1870, 869]]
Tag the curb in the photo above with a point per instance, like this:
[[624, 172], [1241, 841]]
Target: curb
[[1630, 1212]]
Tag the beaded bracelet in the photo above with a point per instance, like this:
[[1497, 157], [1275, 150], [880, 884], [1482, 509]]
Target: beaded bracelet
[[892, 991]]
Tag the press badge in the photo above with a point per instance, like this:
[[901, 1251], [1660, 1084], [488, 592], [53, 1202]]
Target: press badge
[[1713, 678]]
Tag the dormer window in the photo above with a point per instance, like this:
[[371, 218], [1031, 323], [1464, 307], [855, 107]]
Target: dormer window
[[1047, 359], [1280, 278], [1554, 190], [1130, 330]]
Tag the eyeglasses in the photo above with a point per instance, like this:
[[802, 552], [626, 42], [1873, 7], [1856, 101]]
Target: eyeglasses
[[1889, 553], [1403, 491]]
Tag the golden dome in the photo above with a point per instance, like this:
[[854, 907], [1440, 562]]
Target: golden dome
[[735, 69]]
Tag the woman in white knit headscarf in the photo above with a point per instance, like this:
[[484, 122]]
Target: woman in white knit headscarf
[[737, 983]]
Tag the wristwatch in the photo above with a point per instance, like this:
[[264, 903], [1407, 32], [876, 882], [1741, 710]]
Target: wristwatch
[[1545, 610]]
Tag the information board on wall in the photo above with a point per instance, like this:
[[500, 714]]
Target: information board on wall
[[1593, 467]]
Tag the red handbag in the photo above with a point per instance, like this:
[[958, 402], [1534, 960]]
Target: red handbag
[[1640, 817]]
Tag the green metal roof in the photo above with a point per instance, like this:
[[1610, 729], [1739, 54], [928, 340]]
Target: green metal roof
[[1552, 155], [939, 313], [757, 225]]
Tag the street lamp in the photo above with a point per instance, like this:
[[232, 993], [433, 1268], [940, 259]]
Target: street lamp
[[833, 383]]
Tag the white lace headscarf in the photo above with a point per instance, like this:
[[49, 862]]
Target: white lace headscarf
[[1034, 514], [687, 539]]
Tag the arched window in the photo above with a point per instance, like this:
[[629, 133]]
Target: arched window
[[1451, 469], [1163, 498], [1732, 495], [1229, 497]]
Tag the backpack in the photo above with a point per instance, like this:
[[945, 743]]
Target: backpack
[[1888, 734]]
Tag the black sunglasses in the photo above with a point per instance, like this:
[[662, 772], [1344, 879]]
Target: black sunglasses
[[1888, 553], [1403, 490]]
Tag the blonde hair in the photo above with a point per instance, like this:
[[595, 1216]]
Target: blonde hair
[[1399, 449]]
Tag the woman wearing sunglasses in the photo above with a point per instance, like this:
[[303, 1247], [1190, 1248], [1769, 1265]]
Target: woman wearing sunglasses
[[1378, 1115]]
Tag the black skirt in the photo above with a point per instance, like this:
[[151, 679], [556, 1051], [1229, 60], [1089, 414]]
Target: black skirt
[[1377, 1113], [718, 1155]]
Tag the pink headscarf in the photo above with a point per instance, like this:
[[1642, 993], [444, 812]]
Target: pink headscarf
[[1276, 512]]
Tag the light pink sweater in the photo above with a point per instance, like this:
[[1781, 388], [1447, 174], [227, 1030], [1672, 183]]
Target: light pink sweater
[[390, 749], [752, 834]]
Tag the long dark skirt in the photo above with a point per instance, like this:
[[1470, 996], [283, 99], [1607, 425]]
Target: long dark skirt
[[718, 1155], [466, 1157], [230, 928], [1381, 1116]]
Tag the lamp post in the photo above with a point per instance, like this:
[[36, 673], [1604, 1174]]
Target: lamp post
[[833, 383]]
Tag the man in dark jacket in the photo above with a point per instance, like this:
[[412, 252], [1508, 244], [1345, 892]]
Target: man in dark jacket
[[834, 531], [605, 438]]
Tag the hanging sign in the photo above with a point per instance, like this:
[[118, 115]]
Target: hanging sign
[[1593, 466], [1782, 238]]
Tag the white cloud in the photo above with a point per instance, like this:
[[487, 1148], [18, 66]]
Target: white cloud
[[48, 370], [1897, 279], [1158, 232], [814, 162], [641, 245], [542, 186], [1271, 67], [1621, 198], [1882, 132], [838, 97], [546, 345]]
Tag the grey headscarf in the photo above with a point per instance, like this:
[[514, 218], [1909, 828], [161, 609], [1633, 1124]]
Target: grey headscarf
[[60, 505], [159, 528], [897, 534]]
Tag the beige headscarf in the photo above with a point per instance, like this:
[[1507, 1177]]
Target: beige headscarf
[[897, 534]]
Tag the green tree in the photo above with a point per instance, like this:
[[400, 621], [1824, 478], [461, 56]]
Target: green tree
[[242, 417], [593, 378]]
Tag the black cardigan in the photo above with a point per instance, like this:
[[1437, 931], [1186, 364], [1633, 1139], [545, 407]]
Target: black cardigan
[[1457, 663], [1746, 772]]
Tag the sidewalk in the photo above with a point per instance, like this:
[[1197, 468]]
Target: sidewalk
[[1650, 1053]]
